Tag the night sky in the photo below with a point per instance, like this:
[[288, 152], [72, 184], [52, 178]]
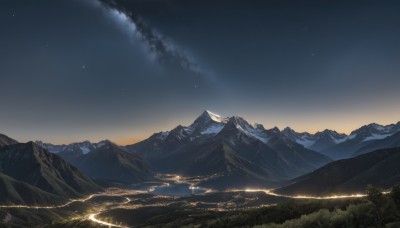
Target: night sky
[[72, 70]]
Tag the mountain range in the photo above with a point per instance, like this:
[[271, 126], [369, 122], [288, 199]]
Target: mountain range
[[339, 146], [360, 138], [229, 151], [379, 168], [388, 142], [232, 151], [78, 148], [318, 141], [104, 160]]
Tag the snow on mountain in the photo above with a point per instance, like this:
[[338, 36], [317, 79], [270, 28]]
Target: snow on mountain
[[373, 131], [305, 142], [84, 147], [231, 150], [377, 129], [214, 129], [337, 141], [327, 140], [258, 133], [318, 141], [376, 137], [210, 124], [207, 123], [352, 136], [216, 117], [361, 138]]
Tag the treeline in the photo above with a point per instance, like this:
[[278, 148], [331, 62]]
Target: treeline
[[378, 210], [375, 210]]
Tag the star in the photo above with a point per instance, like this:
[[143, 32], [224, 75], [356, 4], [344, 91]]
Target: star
[[83, 67]]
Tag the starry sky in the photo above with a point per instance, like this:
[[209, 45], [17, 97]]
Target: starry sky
[[72, 70]]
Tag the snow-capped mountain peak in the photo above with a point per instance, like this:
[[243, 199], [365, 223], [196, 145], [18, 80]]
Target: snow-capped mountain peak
[[208, 123], [247, 129], [375, 131], [208, 116], [84, 147], [215, 117]]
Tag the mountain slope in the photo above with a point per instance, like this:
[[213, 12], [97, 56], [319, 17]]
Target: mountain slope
[[326, 139], [222, 159], [389, 142], [379, 168], [158, 145], [5, 140], [151, 147], [17, 192], [112, 163], [34, 165]]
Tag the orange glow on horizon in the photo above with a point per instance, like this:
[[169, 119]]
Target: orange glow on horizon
[[129, 141], [346, 125], [343, 122]]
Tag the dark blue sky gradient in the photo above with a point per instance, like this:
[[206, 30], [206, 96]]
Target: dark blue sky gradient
[[74, 70]]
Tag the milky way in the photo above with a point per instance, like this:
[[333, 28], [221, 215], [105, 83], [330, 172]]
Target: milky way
[[163, 51]]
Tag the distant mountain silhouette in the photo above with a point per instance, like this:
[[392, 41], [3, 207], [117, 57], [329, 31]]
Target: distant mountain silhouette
[[379, 168], [360, 138], [319, 141], [338, 146]]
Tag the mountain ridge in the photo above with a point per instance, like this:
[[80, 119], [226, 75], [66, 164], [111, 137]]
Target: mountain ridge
[[29, 174], [233, 149], [110, 162]]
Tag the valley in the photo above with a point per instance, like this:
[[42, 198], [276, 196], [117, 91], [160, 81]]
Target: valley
[[106, 207]]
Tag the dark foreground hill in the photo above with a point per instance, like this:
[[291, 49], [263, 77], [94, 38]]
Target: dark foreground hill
[[28, 169], [379, 168], [17, 192]]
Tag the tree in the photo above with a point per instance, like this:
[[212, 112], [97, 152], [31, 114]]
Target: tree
[[395, 194], [375, 195]]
